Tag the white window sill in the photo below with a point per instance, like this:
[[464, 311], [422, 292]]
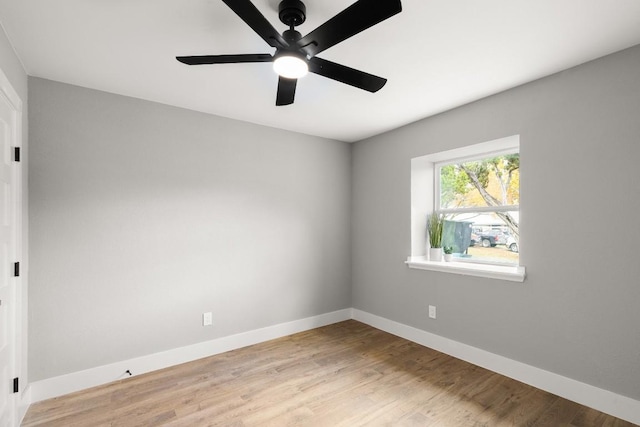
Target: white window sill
[[500, 272]]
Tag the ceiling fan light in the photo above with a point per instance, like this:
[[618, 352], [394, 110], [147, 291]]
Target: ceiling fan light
[[290, 67]]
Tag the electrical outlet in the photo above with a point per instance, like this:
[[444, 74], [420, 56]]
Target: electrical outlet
[[207, 319], [432, 311]]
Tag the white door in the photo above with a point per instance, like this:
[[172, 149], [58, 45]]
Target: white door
[[8, 311]]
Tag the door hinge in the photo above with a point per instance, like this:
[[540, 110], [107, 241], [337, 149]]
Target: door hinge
[[16, 385], [16, 154], [16, 269]]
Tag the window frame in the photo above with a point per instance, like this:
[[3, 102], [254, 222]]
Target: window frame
[[437, 196], [424, 179]]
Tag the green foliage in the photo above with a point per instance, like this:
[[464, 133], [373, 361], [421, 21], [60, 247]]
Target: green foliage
[[453, 183], [481, 170], [513, 162], [448, 249], [435, 223], [493, 181]]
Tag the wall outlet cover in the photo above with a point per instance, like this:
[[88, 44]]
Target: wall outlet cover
[[432, 311], [207, 319]]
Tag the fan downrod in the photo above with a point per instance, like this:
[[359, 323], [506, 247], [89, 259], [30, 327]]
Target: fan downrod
[[292, 12]]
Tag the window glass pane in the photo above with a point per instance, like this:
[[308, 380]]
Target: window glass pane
[[491, 181], [483, 236]]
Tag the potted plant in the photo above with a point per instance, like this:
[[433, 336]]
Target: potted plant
[[448, 253], [435, 222]]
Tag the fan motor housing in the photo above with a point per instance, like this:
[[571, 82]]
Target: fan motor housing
[[291, 36], [292, 12]]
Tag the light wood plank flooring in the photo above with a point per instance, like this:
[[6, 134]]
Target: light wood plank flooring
[[347, 374]]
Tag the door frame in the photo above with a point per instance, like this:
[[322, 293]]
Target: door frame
[[21, 401]]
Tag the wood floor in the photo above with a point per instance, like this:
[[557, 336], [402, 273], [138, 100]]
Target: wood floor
[[347, 374]]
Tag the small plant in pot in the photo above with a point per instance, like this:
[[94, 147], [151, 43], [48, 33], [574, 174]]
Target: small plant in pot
[[448, 253], [435, 223]]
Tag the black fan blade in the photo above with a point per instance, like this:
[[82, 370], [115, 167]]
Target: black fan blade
[[354, 19], [346, 75], [286, 91], [256, 20], [224, 59]]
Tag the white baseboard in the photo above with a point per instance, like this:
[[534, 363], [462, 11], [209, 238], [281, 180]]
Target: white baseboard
[[605, 401], [69, 383]]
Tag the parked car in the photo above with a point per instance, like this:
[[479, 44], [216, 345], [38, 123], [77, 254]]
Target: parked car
[[490, 238], [512, 244]]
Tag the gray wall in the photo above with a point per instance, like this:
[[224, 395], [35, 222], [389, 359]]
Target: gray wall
[[144, 216], [577, 312]]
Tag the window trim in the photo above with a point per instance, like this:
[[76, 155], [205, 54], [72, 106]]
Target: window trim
[[423, 190], [489, 271]]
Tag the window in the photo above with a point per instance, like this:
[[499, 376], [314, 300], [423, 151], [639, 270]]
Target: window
[[477, 190], [479, 198]]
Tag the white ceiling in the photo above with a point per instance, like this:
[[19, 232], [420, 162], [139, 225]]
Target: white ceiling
[[436, 54]]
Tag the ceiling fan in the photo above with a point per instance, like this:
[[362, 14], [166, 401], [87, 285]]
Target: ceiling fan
[[296, 55]]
